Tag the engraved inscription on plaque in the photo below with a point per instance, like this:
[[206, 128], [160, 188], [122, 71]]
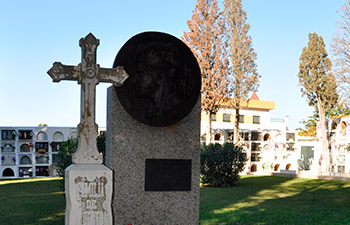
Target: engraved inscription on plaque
[[91, 195], [168, 175]]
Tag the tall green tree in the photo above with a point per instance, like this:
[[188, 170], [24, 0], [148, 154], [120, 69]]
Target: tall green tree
[[243, 75], [318, 84], [341, 53], [206, 40]]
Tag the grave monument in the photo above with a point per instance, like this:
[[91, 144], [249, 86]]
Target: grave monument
[[88, 183], [153, 133]]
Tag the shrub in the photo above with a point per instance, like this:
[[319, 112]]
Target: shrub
[[101, 145], [221, 164], [67, 148]]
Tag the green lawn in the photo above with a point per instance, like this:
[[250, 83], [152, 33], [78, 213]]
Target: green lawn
[[277, 200], [31, 202], [257, 200]]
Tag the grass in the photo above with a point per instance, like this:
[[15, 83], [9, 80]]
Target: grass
[[257, 200], [277, 200], [31, 202]]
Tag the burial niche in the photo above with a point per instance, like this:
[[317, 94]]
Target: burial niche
[[343, 128], [25, 160], [25, 134], [41, 136], [25, 148], [73, 135], [253, 168], [217, 137], [58, 137], [42, 171], [267, 137], [8, 147], [8, 172]]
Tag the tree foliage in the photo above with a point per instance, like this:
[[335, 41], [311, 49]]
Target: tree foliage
[[310, 125], [318, 84], [243, 75], [341, 53], [221, 164], [206, 40]]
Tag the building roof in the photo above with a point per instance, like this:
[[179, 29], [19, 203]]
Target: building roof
[[253, 103], [254, 96]]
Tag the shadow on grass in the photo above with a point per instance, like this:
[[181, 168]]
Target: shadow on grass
[[31, 203], [277, 200]]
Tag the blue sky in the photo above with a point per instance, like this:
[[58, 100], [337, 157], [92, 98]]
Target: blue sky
[[34, 34]]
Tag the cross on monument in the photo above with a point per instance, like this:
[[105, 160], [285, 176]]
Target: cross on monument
[[88, 74]]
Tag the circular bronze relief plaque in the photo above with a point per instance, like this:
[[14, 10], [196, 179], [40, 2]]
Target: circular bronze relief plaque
[[164, 79]]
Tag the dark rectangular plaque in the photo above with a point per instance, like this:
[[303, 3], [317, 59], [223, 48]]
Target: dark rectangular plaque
[[168, 174]]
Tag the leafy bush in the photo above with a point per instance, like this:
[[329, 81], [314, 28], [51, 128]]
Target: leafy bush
[[221, 164], [101, 145], [67, 148]]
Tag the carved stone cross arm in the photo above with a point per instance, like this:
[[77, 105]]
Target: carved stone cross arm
[[60, 72], [88, 74], [117, 75]]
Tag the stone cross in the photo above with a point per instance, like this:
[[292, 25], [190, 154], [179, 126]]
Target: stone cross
[[88, 74]]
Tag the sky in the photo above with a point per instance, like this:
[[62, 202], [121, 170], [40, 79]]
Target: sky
[[36, 33]]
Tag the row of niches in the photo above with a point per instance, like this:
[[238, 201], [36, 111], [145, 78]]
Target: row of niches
[[27, 171], [40, 147], [277, 146], [259, 136], [340, 148], [25, 135], [25, 159]]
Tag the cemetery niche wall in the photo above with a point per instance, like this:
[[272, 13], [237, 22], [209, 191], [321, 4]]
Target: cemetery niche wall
[[31, 151], [153, 132]]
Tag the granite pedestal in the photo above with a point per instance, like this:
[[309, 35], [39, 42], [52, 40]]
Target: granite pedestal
[[156, 169]]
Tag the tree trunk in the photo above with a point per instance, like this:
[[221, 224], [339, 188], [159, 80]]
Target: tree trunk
[[236, 129], [208, 140], [324, 141]]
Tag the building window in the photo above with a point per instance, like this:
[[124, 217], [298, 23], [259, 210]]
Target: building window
[[213, 117], [227, 117], [256, 119], [241, 119]]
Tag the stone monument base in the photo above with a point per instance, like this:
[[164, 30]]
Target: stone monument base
[[88, 195]]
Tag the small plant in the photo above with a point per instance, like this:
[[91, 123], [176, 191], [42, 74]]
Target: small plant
[[31, 144]]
